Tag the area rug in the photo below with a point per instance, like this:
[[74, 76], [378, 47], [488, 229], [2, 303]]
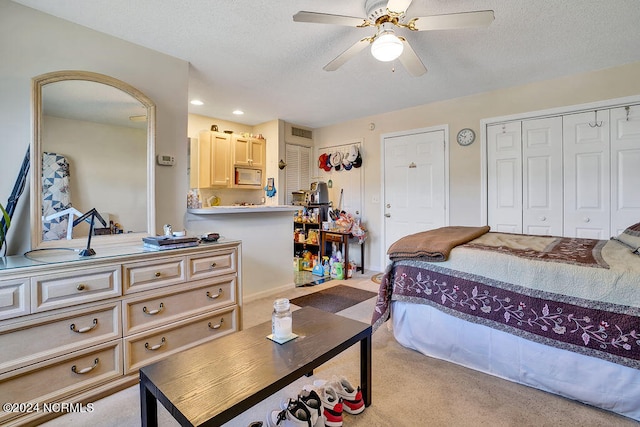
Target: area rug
[[334, 299]]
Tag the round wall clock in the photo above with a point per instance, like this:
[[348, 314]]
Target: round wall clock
[[466, 136]]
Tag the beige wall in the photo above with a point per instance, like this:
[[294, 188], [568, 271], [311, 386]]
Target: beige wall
[[93, 150], [464, 162]]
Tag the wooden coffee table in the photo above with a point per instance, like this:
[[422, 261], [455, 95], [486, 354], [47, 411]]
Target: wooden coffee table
[[214, 382]]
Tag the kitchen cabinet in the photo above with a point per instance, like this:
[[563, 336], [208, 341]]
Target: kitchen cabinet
[[212, 161], [248, 152]]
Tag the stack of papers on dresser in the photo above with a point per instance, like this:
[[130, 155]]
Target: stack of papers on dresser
[[160, 243]]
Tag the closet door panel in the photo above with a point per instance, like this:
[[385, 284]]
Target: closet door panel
[[625, 168], [586, 175], [542, 176], [504, 177]]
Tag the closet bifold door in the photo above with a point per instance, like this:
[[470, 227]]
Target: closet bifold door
[[542, 176], [504, 177], [586, 175], [625, 167]]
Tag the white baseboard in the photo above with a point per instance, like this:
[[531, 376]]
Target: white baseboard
[[258, 295]]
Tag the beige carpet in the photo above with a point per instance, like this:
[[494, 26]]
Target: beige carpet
[[408, 388]]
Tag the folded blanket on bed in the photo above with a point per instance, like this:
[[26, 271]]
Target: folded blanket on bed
[[434, 245]]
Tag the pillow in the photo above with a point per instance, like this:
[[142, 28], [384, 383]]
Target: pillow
[[631, 236]]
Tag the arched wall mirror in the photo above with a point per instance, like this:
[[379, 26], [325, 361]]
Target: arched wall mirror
[[93, 150]]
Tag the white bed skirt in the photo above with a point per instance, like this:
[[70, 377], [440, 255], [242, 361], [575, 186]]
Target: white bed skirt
[[587, 379]]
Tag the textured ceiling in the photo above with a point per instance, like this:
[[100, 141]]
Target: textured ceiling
[[249, 54]]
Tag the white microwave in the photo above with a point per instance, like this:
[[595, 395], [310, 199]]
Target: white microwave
[[248, 176]]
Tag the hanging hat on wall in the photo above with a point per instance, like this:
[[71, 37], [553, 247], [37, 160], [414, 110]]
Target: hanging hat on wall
[[352, 154], [336, 160], [323, 161], [358, 161], [346, 164]]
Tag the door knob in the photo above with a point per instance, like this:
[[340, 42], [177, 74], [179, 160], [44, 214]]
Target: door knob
[[388, 215], [388, 205]]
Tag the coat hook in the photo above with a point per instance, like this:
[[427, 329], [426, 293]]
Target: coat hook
[[627, 109], [596, 123], [282, 164]]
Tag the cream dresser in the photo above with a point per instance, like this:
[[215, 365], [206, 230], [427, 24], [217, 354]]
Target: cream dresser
[[73, 330]]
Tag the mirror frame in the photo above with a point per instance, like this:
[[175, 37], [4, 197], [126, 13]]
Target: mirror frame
[[36, 160]]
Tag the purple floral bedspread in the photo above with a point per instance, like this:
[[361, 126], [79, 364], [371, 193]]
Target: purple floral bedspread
[[604, 330]]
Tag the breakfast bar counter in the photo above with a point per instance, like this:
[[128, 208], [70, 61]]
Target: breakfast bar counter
[[265, 232], [238, 209]]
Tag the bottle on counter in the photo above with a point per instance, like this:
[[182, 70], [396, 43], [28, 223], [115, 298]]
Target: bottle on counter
[[281, 319]]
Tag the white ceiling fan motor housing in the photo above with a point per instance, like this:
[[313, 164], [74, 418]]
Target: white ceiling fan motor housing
[[375, 9]]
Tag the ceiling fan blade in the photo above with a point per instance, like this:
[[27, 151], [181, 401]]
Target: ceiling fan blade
[[347, 54], [410, 60], [451, 21], [398, 6], [326, 18]]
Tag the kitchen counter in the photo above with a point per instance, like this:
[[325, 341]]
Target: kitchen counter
[[216, 210], [266, 232]]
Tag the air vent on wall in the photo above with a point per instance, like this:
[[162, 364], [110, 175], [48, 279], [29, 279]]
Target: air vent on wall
[[302, 133]]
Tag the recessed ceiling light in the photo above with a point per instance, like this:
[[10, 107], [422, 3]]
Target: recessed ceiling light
[[238, 112], [197, 102]]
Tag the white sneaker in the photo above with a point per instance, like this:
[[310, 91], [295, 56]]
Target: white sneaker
[[311, 400], [352, 401], [295, 415], [331, 405]]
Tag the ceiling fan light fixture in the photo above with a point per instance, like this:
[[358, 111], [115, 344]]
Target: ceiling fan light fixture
[[387, 46]]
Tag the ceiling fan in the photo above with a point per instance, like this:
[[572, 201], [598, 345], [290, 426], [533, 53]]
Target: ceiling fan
[[388, 16]]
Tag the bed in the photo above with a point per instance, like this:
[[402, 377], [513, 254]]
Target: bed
[[555, 313]]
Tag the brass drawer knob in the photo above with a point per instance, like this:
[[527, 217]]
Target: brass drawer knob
[[213, 265], [158, 274], [81, 287]]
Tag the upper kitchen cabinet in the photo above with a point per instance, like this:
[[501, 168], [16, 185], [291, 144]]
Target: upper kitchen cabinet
[[212, 159], [249, 152]]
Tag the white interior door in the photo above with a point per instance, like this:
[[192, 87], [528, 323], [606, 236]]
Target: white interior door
[[298, 170], [542, 176], [586, 186], [504, 177], [625, 168], [415, 184]]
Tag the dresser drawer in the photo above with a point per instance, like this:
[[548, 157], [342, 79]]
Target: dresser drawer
[[146, 275], [213, 264], [151, 346], [56, 378], [144, 312], [14, 298], [31, 341], [74, 287]]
